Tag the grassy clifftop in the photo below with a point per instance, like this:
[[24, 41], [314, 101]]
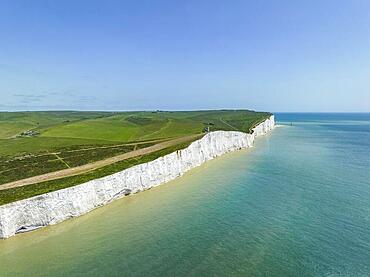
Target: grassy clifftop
[[33, 144], [54, 130]]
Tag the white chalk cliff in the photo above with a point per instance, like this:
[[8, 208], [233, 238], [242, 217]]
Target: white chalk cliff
[[57, 206]]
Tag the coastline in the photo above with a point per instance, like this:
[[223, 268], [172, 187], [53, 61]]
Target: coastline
[[54, 207]]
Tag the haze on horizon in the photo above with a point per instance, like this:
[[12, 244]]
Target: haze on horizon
[[184, 55]]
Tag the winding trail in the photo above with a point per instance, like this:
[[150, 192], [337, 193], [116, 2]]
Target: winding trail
[[98, 164]]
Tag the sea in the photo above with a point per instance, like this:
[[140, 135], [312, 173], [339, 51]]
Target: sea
[[296, 204]]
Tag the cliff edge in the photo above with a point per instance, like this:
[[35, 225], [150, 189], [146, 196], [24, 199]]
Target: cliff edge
[[57, 206]]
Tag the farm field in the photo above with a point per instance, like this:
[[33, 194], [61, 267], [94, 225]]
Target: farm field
[[37, 143]]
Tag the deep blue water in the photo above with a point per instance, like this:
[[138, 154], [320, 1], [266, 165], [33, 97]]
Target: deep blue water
[[297, 204]]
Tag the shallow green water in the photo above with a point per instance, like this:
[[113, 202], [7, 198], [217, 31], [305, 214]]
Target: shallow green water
[[297, 204]]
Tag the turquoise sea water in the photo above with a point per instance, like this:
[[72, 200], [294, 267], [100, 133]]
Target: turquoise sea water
[[297, 204]]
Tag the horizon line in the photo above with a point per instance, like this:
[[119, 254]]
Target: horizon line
[[178, 110]]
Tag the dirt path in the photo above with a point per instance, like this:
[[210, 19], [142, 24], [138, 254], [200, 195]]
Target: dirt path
[[101, 147], [114, 145], [95, 165]]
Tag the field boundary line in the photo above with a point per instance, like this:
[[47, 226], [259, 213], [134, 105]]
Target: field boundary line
[[63, 161]]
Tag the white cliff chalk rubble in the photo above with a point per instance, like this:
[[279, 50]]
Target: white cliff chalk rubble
[[57, 206]]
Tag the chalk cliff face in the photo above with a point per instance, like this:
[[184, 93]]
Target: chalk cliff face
[[57, 206]]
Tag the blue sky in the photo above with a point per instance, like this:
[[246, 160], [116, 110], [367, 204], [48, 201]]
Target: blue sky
[[128, 55]]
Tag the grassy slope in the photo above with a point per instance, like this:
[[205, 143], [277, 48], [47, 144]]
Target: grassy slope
[[62, 130], [9, 129], [16, 122], [121, 127], [12, 124]]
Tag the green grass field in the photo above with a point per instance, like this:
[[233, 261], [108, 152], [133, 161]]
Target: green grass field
[[68, 128], [69, 138], [19, 193]]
